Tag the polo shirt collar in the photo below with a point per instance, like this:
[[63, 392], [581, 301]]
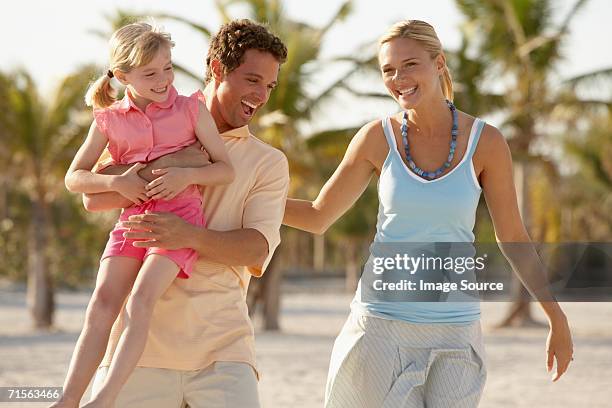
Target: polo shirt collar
[[237, 132]]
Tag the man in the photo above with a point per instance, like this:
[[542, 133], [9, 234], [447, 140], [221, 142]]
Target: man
[[200, 349]]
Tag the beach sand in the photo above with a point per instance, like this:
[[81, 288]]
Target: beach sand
[[293, 362]]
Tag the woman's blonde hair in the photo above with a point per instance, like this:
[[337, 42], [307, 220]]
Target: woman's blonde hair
[[425, 34], [131, 46]]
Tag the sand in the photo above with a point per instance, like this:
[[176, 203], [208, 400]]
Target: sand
[[293, 362]]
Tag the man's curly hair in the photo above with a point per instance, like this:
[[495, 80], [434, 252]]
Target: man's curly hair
[[235, 38]]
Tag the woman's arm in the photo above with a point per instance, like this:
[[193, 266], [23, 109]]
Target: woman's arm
[[500, 194], [343, 188], [173, 180]]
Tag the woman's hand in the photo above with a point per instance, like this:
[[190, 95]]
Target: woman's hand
[[131, 186], [559, 345], [171, 181]]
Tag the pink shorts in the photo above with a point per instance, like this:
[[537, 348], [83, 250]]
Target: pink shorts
[[189, 209]]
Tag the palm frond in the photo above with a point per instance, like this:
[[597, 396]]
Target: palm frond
[[68, 97], [179, 68], [341, 14], [195, 26], [221, 7], [340, 83], [332, 137], [563, 28], [590, 78], [361, 94]]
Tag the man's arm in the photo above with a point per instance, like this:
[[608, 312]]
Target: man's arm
[[191, 156], [251, 246], [245, 246]]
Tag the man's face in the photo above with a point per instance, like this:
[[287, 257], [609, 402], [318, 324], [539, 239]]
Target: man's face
[[242, 92]]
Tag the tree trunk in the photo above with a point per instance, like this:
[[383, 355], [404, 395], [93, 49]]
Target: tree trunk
[[40, 289], [318, 258], [519, 314], [352, 266], [266, 290], [3, 198]]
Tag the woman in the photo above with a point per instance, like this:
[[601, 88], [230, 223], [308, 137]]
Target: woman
[[433, 161]]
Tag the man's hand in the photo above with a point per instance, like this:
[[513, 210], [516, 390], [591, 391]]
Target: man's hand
[[168, 184], [131, 186], [163, 230]]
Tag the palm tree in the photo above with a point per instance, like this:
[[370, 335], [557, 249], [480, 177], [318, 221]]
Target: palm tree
[[520, 43], [353, 231], [37, 138], [588, 197], [5, 85]]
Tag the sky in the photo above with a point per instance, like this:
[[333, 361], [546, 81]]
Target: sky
[[52, 38]]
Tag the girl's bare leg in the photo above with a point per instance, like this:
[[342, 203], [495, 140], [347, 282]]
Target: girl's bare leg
[[114, 281], [154, 278]]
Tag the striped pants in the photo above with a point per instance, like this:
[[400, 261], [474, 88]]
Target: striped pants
[[395, 364]]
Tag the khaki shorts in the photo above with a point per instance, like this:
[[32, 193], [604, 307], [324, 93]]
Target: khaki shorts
[[221, 385]]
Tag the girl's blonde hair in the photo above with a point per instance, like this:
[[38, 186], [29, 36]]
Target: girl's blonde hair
[[131, 46], [425, 34]]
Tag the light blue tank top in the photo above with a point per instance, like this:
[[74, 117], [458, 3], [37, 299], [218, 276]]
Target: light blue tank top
[[412, 209]]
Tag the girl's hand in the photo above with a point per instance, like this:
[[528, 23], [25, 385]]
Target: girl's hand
[[559, 344], [131, 185], [172, 181]]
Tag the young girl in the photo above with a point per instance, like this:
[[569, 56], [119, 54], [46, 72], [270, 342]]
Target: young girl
[[149, 122]]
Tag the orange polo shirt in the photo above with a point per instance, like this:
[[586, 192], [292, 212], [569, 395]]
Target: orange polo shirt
[[205, 319]]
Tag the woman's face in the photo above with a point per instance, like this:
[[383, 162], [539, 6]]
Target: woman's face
[[409, 73]]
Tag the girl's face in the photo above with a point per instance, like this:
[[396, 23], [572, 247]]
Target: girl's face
[[410, 74], [150, 82]]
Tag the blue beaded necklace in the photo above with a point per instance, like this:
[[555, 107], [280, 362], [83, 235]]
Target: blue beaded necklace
[[453, 144]]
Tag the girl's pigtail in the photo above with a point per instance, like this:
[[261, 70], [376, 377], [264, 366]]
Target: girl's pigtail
[[101, 94]]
